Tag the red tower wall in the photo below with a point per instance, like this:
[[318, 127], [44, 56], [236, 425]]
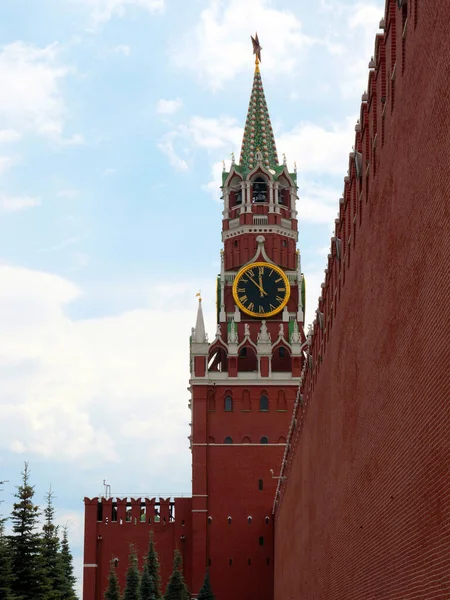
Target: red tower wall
[[237, 483], [107, 539], [365, 511]]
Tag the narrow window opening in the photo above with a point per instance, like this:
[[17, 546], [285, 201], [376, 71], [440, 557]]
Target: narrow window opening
[[260, 485], [236, 243], [268, 561], [264, 403], [209, 520], [128, 514], [209, 562], [285, 243], [261, 540], [114, 512], [228, 404], [228, 440], [230, 562], [281, 352], [239, 198], [267, 520], [243, 352], [264, 440], [249, 561], [99, 511], [229, 520], [249, 520]]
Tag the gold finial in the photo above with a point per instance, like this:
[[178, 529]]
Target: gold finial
[[199, 295], [257, 51]]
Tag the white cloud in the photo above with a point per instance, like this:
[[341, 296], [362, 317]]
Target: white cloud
[[67, 193], [16, 203], [104, 10], [219, 46], [9, 135], [166, 145], [168, 107], [318, 149], [74, 390], [6, 162], [31, 98], [123, 49]]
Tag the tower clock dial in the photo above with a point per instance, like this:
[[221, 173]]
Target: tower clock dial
[[261, 289]]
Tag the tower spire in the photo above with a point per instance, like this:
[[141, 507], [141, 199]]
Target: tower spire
[[199, 331], [258, 133]]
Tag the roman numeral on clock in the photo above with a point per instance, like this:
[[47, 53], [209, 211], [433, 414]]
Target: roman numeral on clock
[[279, 299], [243, 299], [251, 306]]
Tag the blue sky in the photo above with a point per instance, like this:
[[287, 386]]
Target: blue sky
[[115, 116]]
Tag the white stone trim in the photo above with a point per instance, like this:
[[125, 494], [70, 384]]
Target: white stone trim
[[229, 233], [88, 566], [199, 510], [244, 379]]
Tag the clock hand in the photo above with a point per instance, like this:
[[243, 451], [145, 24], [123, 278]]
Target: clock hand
[[257, 285], [261, 289]]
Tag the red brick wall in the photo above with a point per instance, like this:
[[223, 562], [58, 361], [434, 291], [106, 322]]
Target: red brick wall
[[365, 511], [106, 539]]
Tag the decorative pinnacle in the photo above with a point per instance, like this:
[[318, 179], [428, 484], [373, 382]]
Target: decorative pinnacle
[[199, 295], [257, 51]]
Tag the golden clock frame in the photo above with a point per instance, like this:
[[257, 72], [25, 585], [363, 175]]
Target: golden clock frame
[[270, 266]]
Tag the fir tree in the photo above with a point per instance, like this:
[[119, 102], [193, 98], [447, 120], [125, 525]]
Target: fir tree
[[68, 582], [132, 580], [150, 588], [5, 565], [51, 553], [206, 592], [112, 591], [29, 577], [176, 588]]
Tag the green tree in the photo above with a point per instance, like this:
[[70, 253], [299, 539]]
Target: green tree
[[69, 580], [176, 588], [29, 576], [112, 591], [5, 565], [150, 588], [206, 592], [51, 553], [132, 580]]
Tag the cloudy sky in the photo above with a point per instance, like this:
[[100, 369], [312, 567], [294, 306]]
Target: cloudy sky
[[115, 116]]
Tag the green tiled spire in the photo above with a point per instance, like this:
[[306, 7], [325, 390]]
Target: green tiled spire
[[258, 133]]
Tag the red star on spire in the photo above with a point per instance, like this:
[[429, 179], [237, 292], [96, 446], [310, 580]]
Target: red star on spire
[[256, 48]]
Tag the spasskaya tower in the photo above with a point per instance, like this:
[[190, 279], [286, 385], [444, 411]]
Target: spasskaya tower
[[244, 382]]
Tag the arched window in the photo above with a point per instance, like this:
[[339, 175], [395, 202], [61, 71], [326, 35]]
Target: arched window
[[228, 440], [259, 190], [261, 541], [264, 403], [264, 440], [246, 440], [281, 440], [228, 404], [243, 351]]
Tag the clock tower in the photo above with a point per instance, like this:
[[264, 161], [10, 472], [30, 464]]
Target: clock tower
[[244, 381]]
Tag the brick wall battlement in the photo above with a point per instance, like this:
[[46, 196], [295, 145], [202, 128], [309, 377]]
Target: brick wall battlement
[[364, 510]]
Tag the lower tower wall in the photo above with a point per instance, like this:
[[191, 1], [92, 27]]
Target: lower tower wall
[[111, 525], [365, 510]]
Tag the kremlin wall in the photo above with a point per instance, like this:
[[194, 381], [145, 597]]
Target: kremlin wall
[[364, 511]]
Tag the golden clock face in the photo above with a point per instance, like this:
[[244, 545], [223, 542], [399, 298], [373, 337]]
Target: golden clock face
[[261, 289]]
